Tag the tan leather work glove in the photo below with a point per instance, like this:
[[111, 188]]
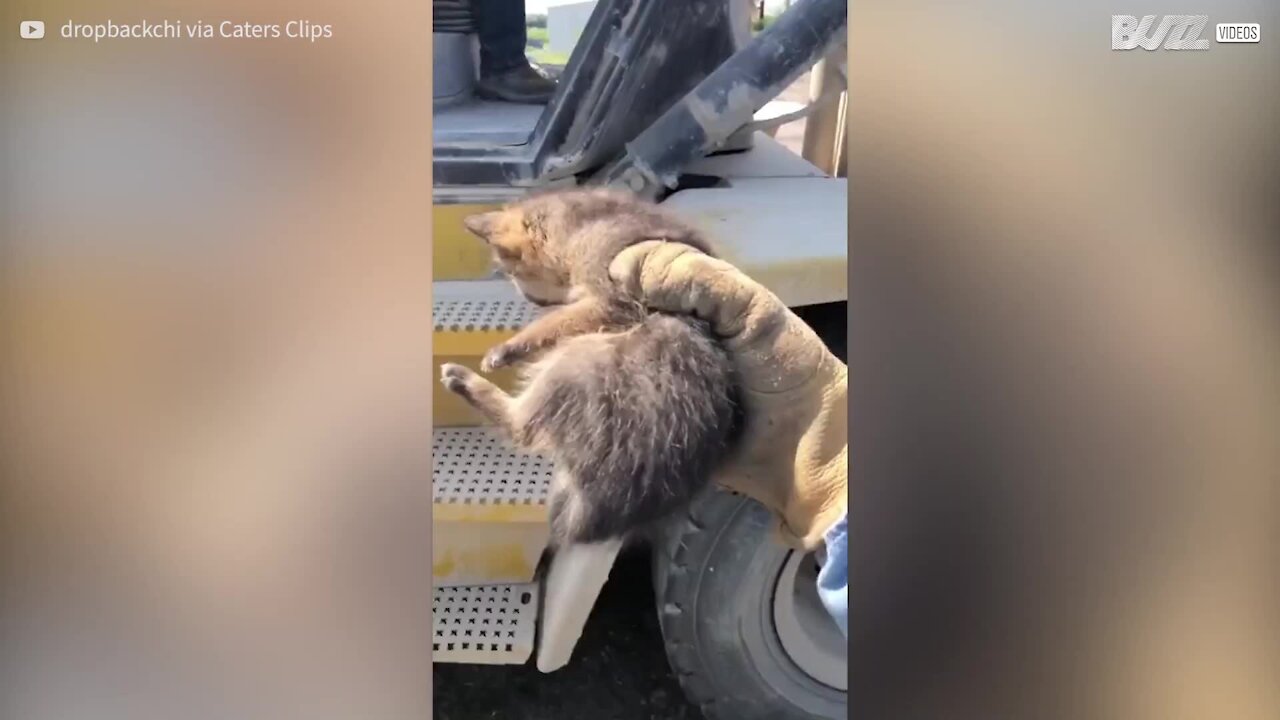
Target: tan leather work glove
[[793, 457]]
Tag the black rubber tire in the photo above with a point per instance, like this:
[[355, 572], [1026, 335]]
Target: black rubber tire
[[714, 574]]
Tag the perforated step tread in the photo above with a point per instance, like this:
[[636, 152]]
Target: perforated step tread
[[484, 624], [479, 305], [477, 466]]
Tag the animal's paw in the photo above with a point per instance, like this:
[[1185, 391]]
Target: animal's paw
[[499, 356], [454, 378]]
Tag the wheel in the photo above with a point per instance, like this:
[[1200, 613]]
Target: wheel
[[743, 627]]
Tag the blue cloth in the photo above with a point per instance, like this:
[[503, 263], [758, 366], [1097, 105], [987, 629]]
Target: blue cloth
[[833, 578]]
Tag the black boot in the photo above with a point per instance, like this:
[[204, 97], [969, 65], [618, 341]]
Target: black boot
[[521, 84]]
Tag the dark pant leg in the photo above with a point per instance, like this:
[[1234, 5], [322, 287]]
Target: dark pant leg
[[502, 34]]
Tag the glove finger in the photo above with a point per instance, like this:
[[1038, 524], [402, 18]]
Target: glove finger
[[775, 349], [711, 289], [675, 278], [666, 282], [627, 266]]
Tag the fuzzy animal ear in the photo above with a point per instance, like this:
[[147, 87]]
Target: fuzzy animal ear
[[482, 224]]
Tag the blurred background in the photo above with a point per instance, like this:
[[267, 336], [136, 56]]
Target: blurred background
[[215, 365], [1064, 495]]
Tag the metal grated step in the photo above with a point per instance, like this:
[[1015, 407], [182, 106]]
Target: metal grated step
[[489, 508], [477, 466], [484, 624], [479, 306]]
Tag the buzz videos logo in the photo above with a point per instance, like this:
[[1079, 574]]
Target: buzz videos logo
[[1176, 32]]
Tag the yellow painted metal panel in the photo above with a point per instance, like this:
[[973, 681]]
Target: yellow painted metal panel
[[489, 511], [466, 343], [466, 553], [495, 513], [449, 410], [455, 253]]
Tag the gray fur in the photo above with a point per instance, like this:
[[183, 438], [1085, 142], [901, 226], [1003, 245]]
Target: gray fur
[[636, 421], [638, 411]]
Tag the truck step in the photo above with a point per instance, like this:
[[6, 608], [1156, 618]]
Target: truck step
[[484, 624], [489, 508], [485, 305], [471, 316]]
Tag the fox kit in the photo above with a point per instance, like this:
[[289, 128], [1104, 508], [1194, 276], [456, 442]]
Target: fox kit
[[635, 408]]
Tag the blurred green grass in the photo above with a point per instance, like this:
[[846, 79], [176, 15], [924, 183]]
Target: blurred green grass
[[537, 48], [546, 57]]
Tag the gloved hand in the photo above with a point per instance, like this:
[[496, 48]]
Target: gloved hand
[[793, 457]]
